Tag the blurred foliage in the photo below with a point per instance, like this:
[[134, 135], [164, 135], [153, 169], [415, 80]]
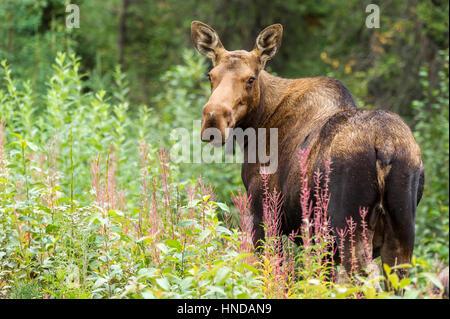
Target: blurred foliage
[[432, 134], [31, 32], [379, 66]]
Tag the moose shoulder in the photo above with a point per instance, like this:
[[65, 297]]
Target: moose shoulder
[[376, 162]]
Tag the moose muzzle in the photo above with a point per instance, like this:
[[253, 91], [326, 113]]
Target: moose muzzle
[[216, 119]]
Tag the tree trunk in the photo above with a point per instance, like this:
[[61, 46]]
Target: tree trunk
[[122, 30]]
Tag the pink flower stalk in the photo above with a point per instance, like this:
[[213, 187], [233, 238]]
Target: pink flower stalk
[[367, 251], [272, 203], [121, 199], [154, 223], [342, 233], [293, 235], [153, 214], [149, 219], [272, 219], [322, 232], [288, 271], [206, 190], [144, 152], [325, 198], [352, 227], [165, 174], [144, 210], [242, 203], [191, 191], [106, 195], [282, 264], [52, 173], [333, 252], [95, 181], [3, 160], [110, 182], [305, 198], [318, 207]]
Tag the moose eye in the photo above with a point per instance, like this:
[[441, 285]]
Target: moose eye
[[209, 76], [251, 80]]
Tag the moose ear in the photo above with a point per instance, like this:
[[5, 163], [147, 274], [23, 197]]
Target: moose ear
[[268, 42], [206, 40]]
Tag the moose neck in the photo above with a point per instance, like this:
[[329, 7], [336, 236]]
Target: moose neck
[[289, 104], [273, 91]]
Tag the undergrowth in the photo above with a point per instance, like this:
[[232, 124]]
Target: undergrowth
[[92, 207]]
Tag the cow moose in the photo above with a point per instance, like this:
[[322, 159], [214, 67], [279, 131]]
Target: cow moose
[[376, 162]]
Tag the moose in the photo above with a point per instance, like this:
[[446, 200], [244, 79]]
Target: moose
[[376, 162]]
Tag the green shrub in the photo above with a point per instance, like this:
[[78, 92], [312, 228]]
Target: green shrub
[[431, 131]]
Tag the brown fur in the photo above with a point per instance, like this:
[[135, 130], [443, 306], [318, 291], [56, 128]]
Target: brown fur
[[376, 161]]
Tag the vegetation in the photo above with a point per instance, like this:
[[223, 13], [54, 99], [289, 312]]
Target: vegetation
[[91, 206]]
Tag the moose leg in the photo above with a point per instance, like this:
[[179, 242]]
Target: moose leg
[[400, 204], [256, 209], [351, 188], [258, 235], [258, 228]]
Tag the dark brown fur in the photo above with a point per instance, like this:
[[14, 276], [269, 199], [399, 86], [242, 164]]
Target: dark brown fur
[[376, 162]]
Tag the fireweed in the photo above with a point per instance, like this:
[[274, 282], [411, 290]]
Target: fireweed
[[314, 262]]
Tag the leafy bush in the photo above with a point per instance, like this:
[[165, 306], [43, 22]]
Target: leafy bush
[[180, 104], [431, 131]]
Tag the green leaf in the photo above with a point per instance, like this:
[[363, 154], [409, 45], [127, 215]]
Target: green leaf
[[32, 146], [174, 244], [370, 292], [163, 283], [45, 209], [116, 229], [223, 207], [411, 294], [50, 228], [387, 269], [404, 282], [162, 247], [222, 275], [221, 229], [186, 283], [25, 219], [394, 280], [17, 135], [148, 294], [147, 272], [187, 222], [434, 279], [204, 234], [251, 268]]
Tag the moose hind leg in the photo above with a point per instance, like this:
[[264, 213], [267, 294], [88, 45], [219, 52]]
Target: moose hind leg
[[351, 189], [400, 203]]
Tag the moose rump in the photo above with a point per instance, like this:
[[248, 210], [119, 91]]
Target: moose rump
[[375, 164]]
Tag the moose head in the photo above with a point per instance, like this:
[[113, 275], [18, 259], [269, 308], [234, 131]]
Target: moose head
[[235, 91]]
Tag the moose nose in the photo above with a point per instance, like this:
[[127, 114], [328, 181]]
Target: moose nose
[[215, 116]]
